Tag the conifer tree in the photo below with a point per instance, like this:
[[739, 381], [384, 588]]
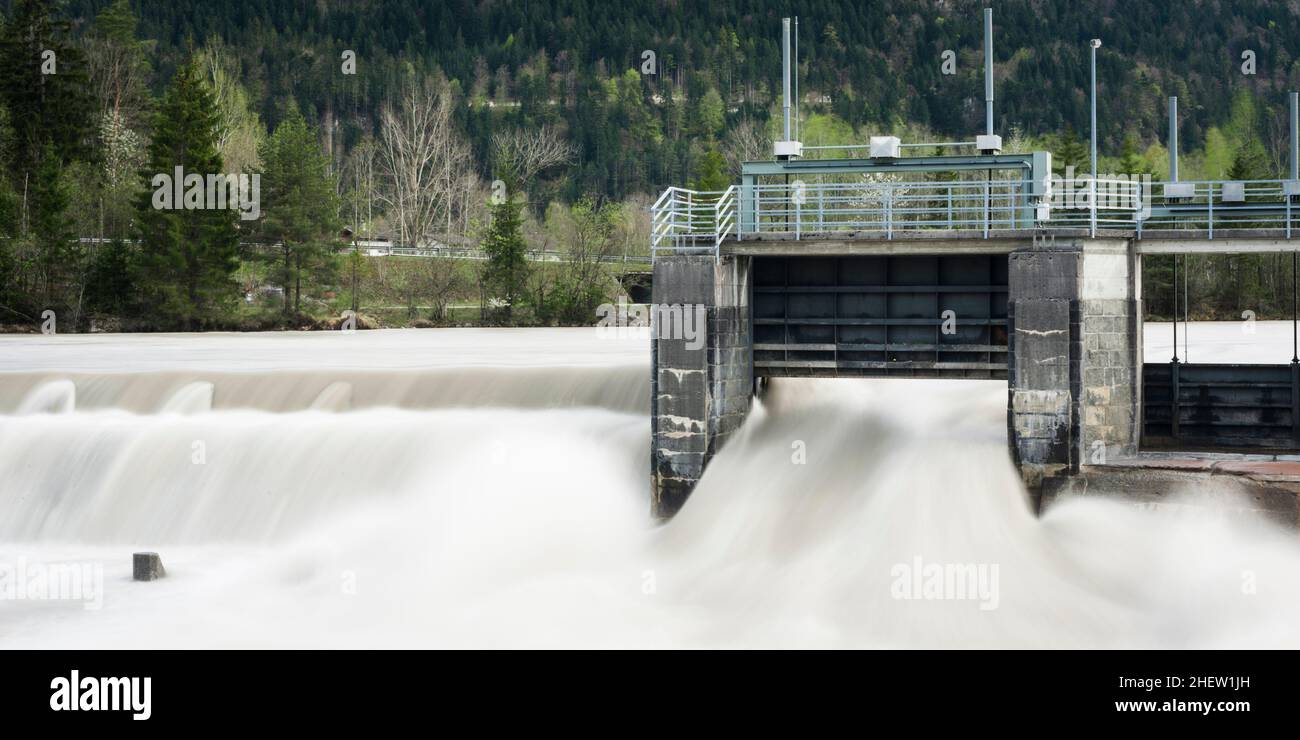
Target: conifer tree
[[505, 275], [187, 255], [301, 206]]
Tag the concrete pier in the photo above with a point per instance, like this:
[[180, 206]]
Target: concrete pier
[[1075, 354], [702, 382]]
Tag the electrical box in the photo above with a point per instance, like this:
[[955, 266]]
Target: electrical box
[[1234, 192], [885, 147], [989, 143], [1180, 190], [788, 149], [1292, 187]]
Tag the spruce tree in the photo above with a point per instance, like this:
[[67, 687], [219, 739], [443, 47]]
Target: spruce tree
[[187, 256], [51, 231], [44, 87], [506, 273], [300, 206]]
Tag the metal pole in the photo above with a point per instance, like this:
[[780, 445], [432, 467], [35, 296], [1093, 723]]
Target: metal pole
[[1173, 139], [1295, 136], [785, 74], [1094, 45], [988, 71], [795, 74], [1187, 311]]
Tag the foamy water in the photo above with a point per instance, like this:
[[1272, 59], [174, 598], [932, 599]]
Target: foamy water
[[304, 491]]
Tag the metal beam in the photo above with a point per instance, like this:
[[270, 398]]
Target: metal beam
[[907, 164]]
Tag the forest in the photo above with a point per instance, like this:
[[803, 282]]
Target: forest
[[514, 127]]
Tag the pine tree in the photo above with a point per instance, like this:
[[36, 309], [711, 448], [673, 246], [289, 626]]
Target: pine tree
[[711, 172], [301, 206], [44, 87], [1131, 162], [505, 275], [1069, 151], [187, 256], [51, 230]]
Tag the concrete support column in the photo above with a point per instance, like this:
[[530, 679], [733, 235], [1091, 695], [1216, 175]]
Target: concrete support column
[[702, 381], [1044, 285], [1109, 352], [1075, 357]]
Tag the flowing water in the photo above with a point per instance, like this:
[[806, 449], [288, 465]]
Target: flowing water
[[490, 488]]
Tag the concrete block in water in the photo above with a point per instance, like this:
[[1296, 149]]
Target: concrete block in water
[[147, 566]]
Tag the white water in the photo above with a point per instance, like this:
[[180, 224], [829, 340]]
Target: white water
[[481, 488]]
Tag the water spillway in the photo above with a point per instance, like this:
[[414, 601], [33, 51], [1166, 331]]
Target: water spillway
[[350, 505]]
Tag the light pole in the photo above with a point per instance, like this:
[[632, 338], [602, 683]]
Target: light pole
[[1095, 44]]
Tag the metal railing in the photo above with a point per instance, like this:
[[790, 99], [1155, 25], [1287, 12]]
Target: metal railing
[[691, 222], [1217, 206], [888, 206]]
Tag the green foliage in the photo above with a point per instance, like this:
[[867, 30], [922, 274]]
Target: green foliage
[[301, 204], [43, 108], [1069, 151], [505, 274], [187, 255], [583, 284], [711, 172], [110, 288], [52, 232]]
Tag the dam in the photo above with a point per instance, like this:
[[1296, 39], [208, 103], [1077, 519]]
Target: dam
[[866, 261]]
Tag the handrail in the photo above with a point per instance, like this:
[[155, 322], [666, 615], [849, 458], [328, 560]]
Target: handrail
[[695, 222]]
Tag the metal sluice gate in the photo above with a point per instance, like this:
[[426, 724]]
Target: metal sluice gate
[[914, 316], [1222, 405]]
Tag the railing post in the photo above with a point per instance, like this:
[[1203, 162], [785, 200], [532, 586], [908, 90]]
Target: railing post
[[1209, 198], [889, 210], [987, 195], [798, 214], [821, 208]]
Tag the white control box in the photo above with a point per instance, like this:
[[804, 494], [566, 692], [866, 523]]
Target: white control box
[[886, 147], [1292, 187], [1234, 192], [787, 149], [1180, 190], [989, 143]]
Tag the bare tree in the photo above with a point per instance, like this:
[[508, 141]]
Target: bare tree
[[747, 142], [424, 158], [522, 154], [439, 279]]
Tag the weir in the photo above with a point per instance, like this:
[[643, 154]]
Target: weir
[[858, 261]]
